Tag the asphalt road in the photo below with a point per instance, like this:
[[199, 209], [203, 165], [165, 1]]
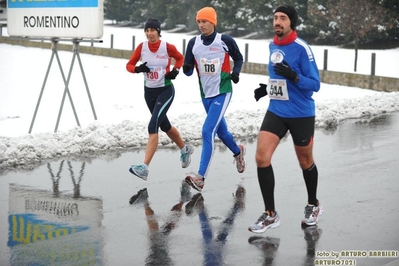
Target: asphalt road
[[81, 211]]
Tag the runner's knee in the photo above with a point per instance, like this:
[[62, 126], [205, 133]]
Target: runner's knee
[[262, 159]]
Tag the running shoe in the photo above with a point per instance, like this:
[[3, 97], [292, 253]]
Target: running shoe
[[196, 181], [265, 222], [185, 158], [239, 159], [140, 197], [312, 214], [140, 170], [195, 205]]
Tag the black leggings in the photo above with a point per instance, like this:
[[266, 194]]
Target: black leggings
[[158, 101]]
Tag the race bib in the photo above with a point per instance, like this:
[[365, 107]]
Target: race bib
[[277, 89], [210, 67], [155, 74]]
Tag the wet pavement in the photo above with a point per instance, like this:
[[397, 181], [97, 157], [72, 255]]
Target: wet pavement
[[94, 212]]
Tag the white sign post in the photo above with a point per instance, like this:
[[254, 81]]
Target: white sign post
[[55, 21], [55, 18]]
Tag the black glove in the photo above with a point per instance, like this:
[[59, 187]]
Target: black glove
[[142, 68], [235, 77], [283, 69], [172, 74], [187, 68], [260, 92]]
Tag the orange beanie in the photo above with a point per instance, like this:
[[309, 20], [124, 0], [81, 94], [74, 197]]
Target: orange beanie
[[207, 13]]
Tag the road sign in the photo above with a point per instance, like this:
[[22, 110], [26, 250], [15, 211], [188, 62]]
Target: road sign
[[55, 18]]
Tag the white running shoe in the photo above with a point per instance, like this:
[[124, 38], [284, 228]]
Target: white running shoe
[[264, 222], [239, 159], [195, 181], [185, 158], [312, 214], [140, 170]]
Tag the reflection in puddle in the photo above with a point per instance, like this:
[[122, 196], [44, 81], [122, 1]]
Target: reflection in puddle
[[214, 248], [213, 243], [268, 245], [49, 227], [312, 236], [158, 253]]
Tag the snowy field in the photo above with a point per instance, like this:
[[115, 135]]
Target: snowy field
[[122, 115]]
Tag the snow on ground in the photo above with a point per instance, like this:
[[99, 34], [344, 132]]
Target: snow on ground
[[122, 115]]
